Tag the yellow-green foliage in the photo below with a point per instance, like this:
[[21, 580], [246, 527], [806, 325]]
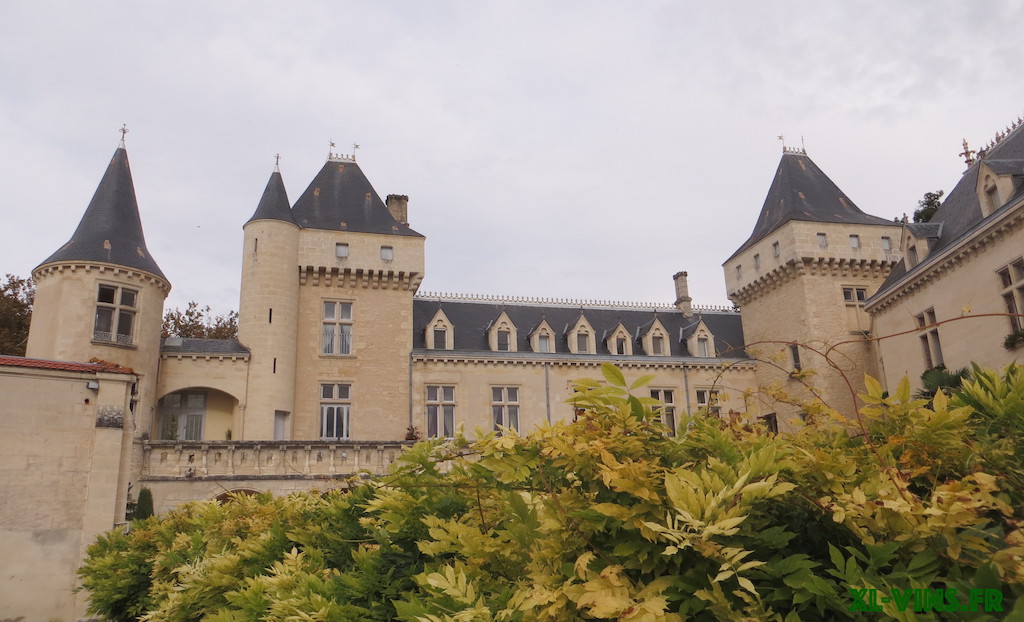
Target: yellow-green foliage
[[607, 518]]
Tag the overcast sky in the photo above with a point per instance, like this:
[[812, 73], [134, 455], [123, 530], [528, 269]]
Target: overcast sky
[[560, 149]]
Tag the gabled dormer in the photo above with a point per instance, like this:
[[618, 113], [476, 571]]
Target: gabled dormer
[[579, 336], [919, 240], [542, 338], [502, 335], [654, 339], [618, 341], [440, 332], [701, 342], [997, 183]]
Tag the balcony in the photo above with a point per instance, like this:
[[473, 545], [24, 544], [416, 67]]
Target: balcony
[[266, 460]]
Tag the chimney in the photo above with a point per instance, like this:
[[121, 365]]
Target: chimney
[[683, 300], [398, 205]]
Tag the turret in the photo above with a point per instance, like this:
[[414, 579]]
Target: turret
[[268, 314], [101, 295]]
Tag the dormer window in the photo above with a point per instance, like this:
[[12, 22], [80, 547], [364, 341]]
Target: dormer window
[[582, 343], [911, 256], [991, 195], [620, 345], [701, 342], [502, 334], [657, 345], [580, 337], [544, 343], [702, 346], [440, 335]]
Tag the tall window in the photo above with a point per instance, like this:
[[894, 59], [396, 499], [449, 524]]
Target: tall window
[[657, 345], [504, 338], [1011, 278], [775, 249], [929, 337], [757, 262], [335, 411], [115, 314], [544, 343], [886, 243], [794, 355], [440, 339], [582, 342], [440, 411], [337, 328], [505, 407], [708, 398], [620, 345], [702, 346], [822, 240], [182, 415], [667, 410]]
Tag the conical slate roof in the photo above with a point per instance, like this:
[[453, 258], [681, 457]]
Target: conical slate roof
[[111, 230], [274, 203], [340, 198], [801, 191]]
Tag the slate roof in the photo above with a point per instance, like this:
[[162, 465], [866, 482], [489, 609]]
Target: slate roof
[[960, 214], [472, 319], [110, 230], [801, 191], [182, 345], [94, 367], [340, 198], [274, 203]]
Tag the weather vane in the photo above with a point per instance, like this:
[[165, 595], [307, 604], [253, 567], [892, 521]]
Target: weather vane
[[783, 139], [330, 151]]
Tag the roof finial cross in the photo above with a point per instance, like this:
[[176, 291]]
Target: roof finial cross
[[783, 139], [354, 147], [123, 130], [968, 154]]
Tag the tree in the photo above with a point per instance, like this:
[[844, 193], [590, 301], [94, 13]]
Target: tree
[[16, 296], [200, 323], [608, 518], [144, 507], [928, 205]]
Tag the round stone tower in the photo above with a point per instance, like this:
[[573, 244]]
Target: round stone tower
[[101, 295], [268, 314]]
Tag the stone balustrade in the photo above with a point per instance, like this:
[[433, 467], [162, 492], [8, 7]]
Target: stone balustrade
[[255, 460]]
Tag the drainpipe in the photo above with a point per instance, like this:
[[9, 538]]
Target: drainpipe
[[547, 391], [686, 387]]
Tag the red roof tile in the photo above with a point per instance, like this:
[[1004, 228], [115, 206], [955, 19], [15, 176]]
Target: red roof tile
[[96, 365]]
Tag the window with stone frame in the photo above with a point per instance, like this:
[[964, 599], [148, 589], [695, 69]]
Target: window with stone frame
[[1011, 280], [931, 346], [544, 342], [335, 411], [440, 411], [667, 410], [582, 342], [336, 336], [115, 314], [708, 398], [505, 407]]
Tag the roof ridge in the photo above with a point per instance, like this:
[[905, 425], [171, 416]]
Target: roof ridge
[[571, 302]]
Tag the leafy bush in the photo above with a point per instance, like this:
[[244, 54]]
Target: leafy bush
[[607, 518]]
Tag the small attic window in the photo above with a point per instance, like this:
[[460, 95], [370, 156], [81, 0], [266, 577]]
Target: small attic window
[[757, 262], [886, 243], [822, 240], [387, 253], [775, 249], [739, 271], [341, 250], [854, 241]]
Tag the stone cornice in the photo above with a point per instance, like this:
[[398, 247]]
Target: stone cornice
[[811, 266], [206, 356], [476, 359], [936, 267], [359, 277], [51, 269]]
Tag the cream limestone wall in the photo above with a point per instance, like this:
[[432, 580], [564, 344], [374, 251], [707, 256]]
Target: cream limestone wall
[[960, 283], [64, 315], [798, 297], [268, 323], [547, 387], [377, 369], [63, 480]]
